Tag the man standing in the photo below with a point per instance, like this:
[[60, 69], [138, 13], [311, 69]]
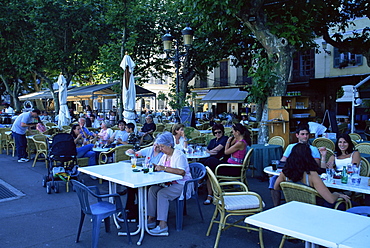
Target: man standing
[[19, 128], [302, 134]]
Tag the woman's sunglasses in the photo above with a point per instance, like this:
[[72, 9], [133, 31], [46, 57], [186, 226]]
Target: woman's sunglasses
[[218, 132]]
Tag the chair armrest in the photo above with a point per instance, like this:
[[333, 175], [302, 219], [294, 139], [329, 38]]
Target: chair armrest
[[227, 165], [103, 156], [340, 200]]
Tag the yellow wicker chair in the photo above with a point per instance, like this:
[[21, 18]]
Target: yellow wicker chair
[[10, 144], [229, 204], [118, 153], [228, 131], [198, 140], [243, 169], [320, 142], [50, 124], [159, 127], [355, 136], [277, 140], [363, 148], [41, 147], [302, 193], [365, 167], [3, 139]]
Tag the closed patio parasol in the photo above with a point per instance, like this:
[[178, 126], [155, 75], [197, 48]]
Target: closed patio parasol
[[128, 89], [64, 118]]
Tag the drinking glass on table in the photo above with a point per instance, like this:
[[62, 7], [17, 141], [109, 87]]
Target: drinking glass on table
[[133, 162], [329, 175], [275, 163]]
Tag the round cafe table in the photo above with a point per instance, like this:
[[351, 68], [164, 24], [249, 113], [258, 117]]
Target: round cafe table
[[270, 171], [263, 155]]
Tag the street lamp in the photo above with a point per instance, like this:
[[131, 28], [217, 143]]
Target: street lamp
[[187, 34]]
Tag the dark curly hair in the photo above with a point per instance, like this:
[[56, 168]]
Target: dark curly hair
[[299, 161], [348, 139]]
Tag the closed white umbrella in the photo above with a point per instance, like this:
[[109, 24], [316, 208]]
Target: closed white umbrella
[[64, 119], [128, 89]]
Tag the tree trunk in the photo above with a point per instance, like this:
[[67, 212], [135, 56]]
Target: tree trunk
[[50, 84], [13, 92], [39, 103], [281, 53]]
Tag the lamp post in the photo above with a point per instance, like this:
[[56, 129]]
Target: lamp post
[[187, 34]]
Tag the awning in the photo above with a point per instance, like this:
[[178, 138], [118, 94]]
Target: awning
[[225, 95], [87, 92]]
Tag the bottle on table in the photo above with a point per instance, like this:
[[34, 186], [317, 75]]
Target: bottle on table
[[344, 179]]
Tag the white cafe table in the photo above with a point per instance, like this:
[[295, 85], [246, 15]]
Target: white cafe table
[[270, 171], [314, 224], [121, 173], [336, 184]]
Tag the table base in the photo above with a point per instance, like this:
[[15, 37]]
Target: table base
[[142, 224]]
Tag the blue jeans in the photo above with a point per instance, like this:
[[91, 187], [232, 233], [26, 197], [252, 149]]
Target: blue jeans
[[21, 145], [87, 152]]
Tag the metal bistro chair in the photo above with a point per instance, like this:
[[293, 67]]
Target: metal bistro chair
[[363, 148], [41, 148], [243, 169], [302, 193], [242, 203], [355, 136], [365, 167], [320, 142], [102, 210], [198, 171], [277, 140]]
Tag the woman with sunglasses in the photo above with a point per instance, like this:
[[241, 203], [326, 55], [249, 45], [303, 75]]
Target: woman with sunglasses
[[216, 149]]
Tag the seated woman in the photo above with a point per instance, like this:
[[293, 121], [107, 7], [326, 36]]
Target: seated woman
[[181, 142], [236, 147], [173, 161], [302, 168], [344, 154], [216, 149], [105, 133], [83, 146], [152, 154]]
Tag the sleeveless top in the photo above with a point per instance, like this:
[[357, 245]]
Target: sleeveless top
[[300, 182], [339, 163], [238, 156]]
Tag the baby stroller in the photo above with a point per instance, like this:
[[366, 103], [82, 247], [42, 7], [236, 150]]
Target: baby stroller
[[62, 162]]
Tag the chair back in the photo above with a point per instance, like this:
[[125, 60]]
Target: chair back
[[320, 142], [365, 167], [83, 196], [159, 127], [363, 148], [197, 170], [216, 188], [246, 163], [299, 192], [277, 140], [355, 136]]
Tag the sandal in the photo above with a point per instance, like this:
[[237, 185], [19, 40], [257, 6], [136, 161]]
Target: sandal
[[208, 201]]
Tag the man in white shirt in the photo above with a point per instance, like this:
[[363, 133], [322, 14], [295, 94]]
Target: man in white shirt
[[120, 136], [94, 122], [8, 109]]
